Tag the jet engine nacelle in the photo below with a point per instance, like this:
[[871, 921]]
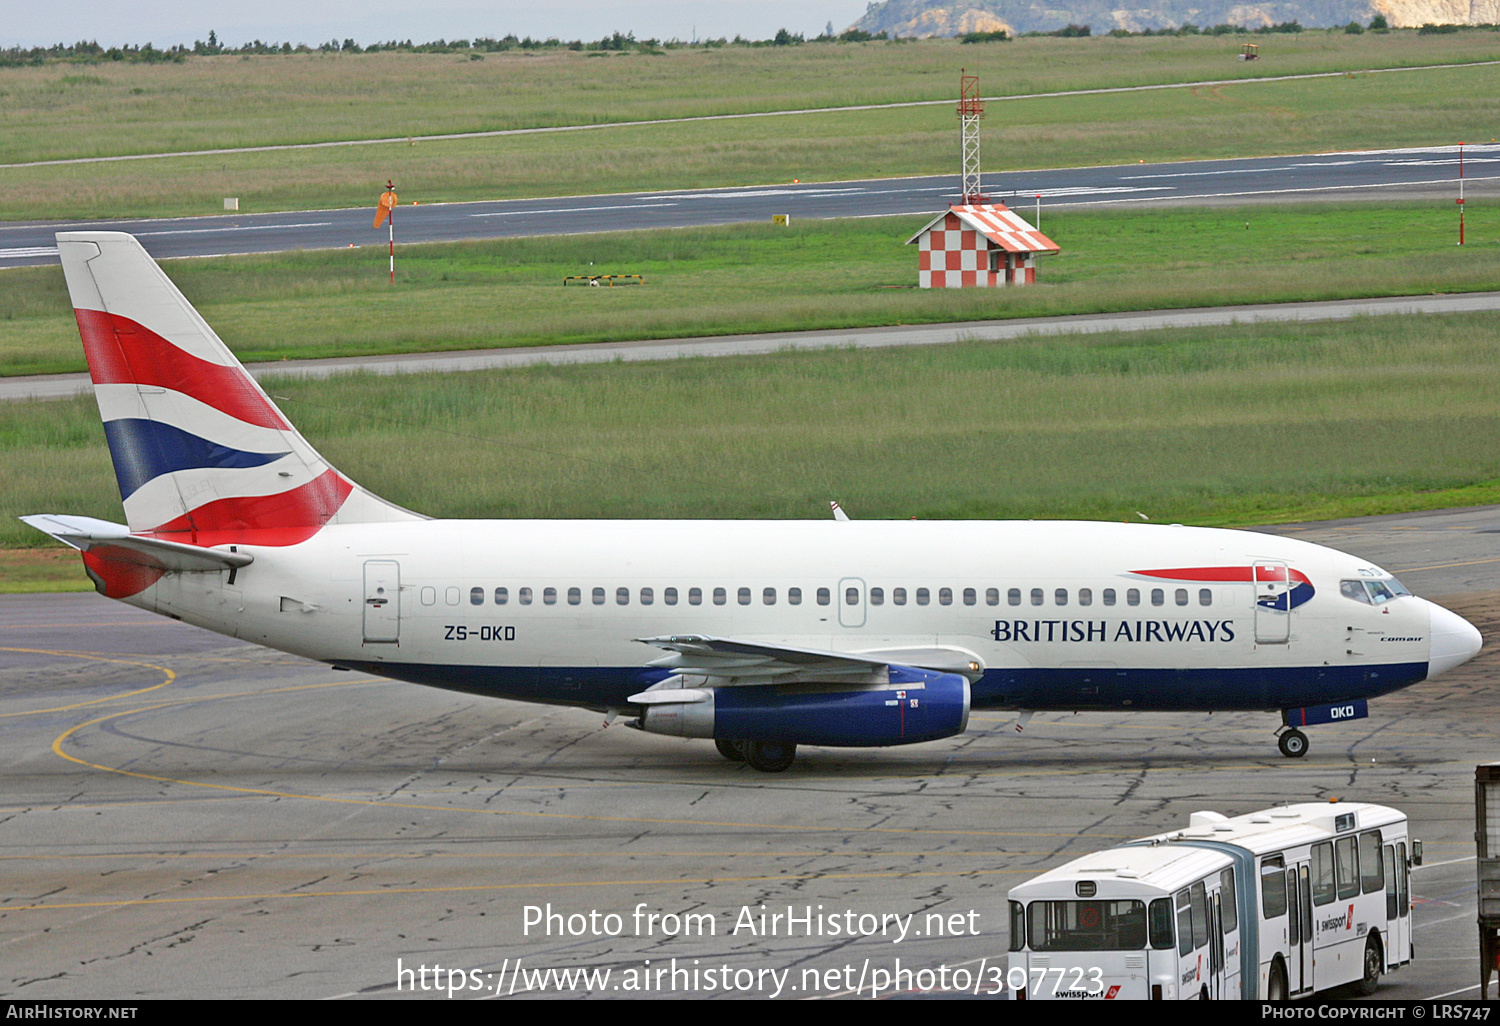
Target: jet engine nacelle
[[926, 707]]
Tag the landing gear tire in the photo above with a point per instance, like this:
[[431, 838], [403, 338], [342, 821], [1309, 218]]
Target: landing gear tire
[[734, 751], [769, 756], [1374, 965], [1293, 744]]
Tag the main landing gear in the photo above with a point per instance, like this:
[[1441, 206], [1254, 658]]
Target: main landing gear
[[1292, 742], [766, 756]]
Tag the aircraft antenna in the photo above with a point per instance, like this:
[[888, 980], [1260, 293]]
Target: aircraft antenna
[[970, 110]]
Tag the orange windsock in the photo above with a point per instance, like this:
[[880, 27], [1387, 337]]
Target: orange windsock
[[387, 204]]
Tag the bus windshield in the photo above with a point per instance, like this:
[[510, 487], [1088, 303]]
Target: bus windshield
[[1086, 925]]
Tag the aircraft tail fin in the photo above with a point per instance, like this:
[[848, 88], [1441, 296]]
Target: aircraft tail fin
[[201, 453]]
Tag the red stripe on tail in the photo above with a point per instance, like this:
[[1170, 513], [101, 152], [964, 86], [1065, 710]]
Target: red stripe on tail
[[121, 351]]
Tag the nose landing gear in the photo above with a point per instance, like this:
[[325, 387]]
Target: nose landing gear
[[1292, 742]]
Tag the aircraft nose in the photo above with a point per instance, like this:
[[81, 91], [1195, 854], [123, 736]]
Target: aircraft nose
[[1454, 641]]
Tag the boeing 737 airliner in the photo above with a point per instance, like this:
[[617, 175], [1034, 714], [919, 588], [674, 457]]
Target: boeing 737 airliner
[[759, 635]]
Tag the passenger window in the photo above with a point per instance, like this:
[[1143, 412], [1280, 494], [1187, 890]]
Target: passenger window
[[1390, 883], [1371, 869], [1158, 597], [824, 596], [1109, 596], [1227, 905], [992, 596], [575, 596], [1181, 596], [669, 596], [720, 596], [549, 596], [1346, 858], [622, 596], [744, 596], [1323, 888], [898, 596], [476, 596], [429, 596], [945, 596], [1036, 596], [969, 597], [1085, 596], [851, 596], [1060, 596], [1200, 914], [501, 596], [1013, 596], [451, 596], [768, 596], [794, 596], [598, 596], [695, 596], [647, 596], [1160, 928], [1133, 597], [525, 596], [1272, 888], [1184, 923], [923, 597], [877, 596], [1205, 596]]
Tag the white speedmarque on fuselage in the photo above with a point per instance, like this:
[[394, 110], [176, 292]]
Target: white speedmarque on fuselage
[[760, 635]]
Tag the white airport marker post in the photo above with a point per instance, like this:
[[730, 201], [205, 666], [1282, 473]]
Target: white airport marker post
[[1460, 194]]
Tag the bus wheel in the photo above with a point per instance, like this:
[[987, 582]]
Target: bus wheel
[[769, 756], [1374, 964], [1293, 744], [1276, 989], [734, 751]]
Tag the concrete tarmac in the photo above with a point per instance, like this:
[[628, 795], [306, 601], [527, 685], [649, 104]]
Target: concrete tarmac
[[188, 816]]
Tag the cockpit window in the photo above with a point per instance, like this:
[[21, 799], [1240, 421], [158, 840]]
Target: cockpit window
[[1373, 592]]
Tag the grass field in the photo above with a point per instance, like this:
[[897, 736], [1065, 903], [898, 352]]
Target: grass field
[[1237, 425], [750, 278], [63, 112]]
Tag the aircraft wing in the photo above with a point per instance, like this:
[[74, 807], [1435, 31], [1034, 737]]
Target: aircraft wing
[[732, 661], [115, 543]]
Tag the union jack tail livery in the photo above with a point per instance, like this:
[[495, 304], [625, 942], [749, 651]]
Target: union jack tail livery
[[201, 453]]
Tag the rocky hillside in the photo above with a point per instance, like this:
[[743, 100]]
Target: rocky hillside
[[956, 17]]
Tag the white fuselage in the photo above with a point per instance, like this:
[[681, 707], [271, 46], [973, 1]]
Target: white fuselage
[[1060, 615]]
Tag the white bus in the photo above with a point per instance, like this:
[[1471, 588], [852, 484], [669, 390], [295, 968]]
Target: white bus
[[1268, 906]]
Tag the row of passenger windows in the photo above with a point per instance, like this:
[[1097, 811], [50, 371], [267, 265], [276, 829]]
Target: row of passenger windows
[[877, 596]]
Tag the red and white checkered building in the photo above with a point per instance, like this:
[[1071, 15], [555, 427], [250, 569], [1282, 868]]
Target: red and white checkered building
[[978, 244]]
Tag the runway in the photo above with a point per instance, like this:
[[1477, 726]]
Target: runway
[[187, 816], [1425, 173]]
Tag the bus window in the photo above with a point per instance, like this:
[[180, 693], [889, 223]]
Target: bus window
[[1293, 934], [1184, 923], [1403, 902], [1322, 865], [1371, 869], [1346, 861], [1017, 926], [1227, 900], [1200, 914], [1272, 889], [1161, 924], [1390, 883], [1087, 925]]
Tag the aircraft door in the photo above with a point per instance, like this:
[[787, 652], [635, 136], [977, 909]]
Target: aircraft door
[[1273, 614], [851, 601], [382, 601]]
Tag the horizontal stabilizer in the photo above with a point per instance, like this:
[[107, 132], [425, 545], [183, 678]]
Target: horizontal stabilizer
[[115, 543]]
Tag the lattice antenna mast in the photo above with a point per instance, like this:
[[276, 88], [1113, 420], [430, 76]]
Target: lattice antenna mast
[[970, 110]]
